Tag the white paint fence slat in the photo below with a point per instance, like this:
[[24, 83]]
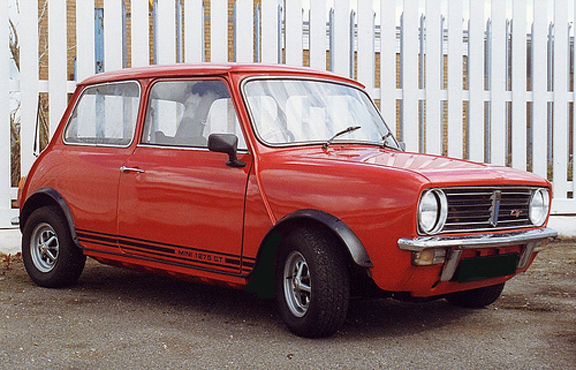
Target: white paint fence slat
[[5, 207], [112, 35], [84, 45], [519, 85], [219, 31], [293, 37], [194, 31], [140, 34], [498, 84], [270, 31], [29, 85], [57, 79], [388, 62], [560, 96], [244, 30], [365, 64], [341, 37], [167, 32], [476, 60], [410, 75], [318, 34], [455, 75], [539, 90], [433, 83]]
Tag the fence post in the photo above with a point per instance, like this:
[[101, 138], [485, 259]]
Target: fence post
[[98, 40], [351, 37], [258, 33], [179, 44]]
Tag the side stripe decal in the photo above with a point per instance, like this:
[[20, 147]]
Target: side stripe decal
[[164, 252]]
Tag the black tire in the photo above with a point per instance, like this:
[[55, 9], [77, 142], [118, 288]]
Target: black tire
[[312, 283], [50, 256], [476, 298]]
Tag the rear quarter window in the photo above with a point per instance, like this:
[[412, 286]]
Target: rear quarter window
[[105, 115]]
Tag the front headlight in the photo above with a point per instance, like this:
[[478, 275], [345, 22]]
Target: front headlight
[[432, 211], [539, 204]]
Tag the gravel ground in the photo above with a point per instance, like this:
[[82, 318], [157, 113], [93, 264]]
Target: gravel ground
[[119, 319]]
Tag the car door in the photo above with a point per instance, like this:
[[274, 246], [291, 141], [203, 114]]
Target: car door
[[179, 203], [98, 139]]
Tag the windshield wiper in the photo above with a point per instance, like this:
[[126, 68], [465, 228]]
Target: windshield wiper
[[340, 133]]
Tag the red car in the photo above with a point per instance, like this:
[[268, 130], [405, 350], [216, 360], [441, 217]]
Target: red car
[[281, 181]]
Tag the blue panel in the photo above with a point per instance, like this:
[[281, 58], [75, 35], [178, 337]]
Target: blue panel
[[99, 40]]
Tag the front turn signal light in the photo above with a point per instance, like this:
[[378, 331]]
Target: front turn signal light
[[427, 257]]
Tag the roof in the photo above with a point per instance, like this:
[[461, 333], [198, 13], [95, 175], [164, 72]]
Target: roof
[[191, 70]]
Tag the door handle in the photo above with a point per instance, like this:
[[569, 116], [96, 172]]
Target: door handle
[[125, 169]]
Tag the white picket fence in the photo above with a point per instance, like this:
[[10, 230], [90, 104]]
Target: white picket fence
[[488, 112]]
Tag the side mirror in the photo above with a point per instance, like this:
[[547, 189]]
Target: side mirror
[[226, 143]]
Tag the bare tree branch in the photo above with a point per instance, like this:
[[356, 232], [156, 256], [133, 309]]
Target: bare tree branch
[[14, 44]]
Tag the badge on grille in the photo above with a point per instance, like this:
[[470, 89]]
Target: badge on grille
[[495, 209]]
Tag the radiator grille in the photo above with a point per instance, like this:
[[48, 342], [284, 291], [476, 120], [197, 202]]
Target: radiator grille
[[479, 209]]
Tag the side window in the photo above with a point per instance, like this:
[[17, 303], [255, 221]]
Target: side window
[[105, 115], [185, 113]]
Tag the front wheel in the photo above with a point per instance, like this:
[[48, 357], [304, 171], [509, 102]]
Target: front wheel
[[476, 298], [312, 284], [50, 256]]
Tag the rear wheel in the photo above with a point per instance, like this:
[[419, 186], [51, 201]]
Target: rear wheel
[[50, 256], [476, 298], [312, 283]]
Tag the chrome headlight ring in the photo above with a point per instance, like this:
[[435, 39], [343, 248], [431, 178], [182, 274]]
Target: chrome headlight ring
[[539, 206], [432, 211]]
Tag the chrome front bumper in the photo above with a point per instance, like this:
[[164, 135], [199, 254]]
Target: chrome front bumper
[[530, 239]]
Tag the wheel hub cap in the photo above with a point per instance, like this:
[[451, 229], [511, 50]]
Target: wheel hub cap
[[297, 286]]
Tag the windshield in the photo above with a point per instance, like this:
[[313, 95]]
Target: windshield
[[291, 111]]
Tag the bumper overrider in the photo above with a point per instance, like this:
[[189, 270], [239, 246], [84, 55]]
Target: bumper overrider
[[431, 250]]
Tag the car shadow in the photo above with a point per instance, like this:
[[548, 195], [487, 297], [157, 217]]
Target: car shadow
[[187, 302]]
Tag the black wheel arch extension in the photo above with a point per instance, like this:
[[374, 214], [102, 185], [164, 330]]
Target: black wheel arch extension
[[260, 281], [45, 197], [335, 225]]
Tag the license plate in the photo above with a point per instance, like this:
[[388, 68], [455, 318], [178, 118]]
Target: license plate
[[481, 268]]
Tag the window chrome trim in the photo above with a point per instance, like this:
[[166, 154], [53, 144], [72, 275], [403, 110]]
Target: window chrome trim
[[307, 79], [104, 145], [188, 148]]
